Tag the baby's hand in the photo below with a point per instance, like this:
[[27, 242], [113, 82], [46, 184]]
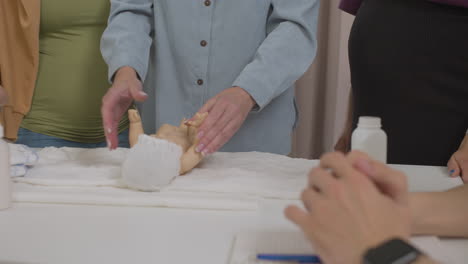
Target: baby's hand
[[133, 116], [196, 120]]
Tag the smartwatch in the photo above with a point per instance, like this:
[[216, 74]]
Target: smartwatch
[[394, 251]]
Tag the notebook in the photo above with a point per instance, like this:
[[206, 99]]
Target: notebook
[[247, 245]]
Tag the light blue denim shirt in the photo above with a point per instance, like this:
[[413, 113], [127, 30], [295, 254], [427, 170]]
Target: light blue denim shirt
[[187, 51]]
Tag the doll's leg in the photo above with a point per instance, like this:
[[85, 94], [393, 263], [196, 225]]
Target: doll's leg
[[189, 160]]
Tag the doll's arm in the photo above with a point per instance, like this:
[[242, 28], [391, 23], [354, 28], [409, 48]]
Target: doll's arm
[[136, 127]]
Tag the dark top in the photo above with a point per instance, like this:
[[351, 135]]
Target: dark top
[[352, 6]]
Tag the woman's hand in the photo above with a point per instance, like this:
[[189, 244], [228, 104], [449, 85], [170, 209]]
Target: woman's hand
[[352, 204], [115, 103], [227, 112], [3, 96], [458, 163]]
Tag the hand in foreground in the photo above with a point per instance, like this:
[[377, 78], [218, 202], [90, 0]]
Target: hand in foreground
[[227, 112], [353, 204], [3, 96], [115, 103], [458, 163]]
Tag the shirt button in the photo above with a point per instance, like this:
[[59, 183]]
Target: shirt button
[[200, 82], [203, 43], [207, 3]]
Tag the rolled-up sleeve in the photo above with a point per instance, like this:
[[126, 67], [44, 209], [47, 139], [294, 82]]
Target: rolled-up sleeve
[[286, 53], [127, 38]]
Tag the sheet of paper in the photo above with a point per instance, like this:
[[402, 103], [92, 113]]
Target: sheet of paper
[[247, 245]]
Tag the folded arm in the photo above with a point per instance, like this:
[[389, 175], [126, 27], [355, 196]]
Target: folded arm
[[441, 213]]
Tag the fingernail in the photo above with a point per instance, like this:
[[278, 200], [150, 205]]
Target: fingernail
[[199, 148], [109, 130], [108, 144], [204, 153], [452, 173], [200, 134], [143, 93]]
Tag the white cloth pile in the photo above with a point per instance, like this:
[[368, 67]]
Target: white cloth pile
[[228, 181], [21, 159]]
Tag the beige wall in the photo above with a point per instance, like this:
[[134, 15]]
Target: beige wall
[[322, 94]]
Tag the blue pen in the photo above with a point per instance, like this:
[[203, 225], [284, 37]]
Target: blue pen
[[293, 258]]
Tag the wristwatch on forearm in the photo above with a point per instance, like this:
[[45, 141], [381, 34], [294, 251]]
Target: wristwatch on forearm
[[394, 251]]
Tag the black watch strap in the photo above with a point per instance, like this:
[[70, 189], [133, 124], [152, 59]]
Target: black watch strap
[[394, 251]]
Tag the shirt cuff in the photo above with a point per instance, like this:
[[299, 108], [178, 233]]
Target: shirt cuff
[[122, 62], [256, 89]]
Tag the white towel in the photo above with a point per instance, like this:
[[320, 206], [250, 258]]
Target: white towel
[[76, 167], [21, 158], [251, 173], [248, 177], [227, 181]]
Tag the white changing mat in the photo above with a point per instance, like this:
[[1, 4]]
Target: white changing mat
[[252, 173], [222, 181], [229, 181]]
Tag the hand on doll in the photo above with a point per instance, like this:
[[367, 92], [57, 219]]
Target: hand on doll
[[227, 112], [126, 89]]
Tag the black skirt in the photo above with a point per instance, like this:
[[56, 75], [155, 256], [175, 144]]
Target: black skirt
[[409, 66]]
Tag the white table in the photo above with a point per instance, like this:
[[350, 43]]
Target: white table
[[35, 233]]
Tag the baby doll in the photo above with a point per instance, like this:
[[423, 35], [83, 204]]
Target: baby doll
[[155, 160], [185, 135]]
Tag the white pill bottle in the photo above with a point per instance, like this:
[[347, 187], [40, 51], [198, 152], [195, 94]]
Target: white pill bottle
[[369, 137], [5, 179]]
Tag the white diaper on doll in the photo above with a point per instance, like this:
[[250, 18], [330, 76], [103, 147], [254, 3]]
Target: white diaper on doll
[[151, 164], [155, 160]]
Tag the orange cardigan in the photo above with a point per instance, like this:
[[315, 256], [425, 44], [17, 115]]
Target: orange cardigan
[[19, 59]]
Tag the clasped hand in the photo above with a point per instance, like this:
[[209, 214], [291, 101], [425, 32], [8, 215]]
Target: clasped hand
[[352, 204]]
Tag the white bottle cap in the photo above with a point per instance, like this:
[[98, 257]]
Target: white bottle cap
[[369, 121], [1, 132]]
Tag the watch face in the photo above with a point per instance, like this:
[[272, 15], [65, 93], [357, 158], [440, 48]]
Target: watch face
[[395, 251]]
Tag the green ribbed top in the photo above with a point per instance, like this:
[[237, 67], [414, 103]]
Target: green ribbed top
[[72, 77]]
